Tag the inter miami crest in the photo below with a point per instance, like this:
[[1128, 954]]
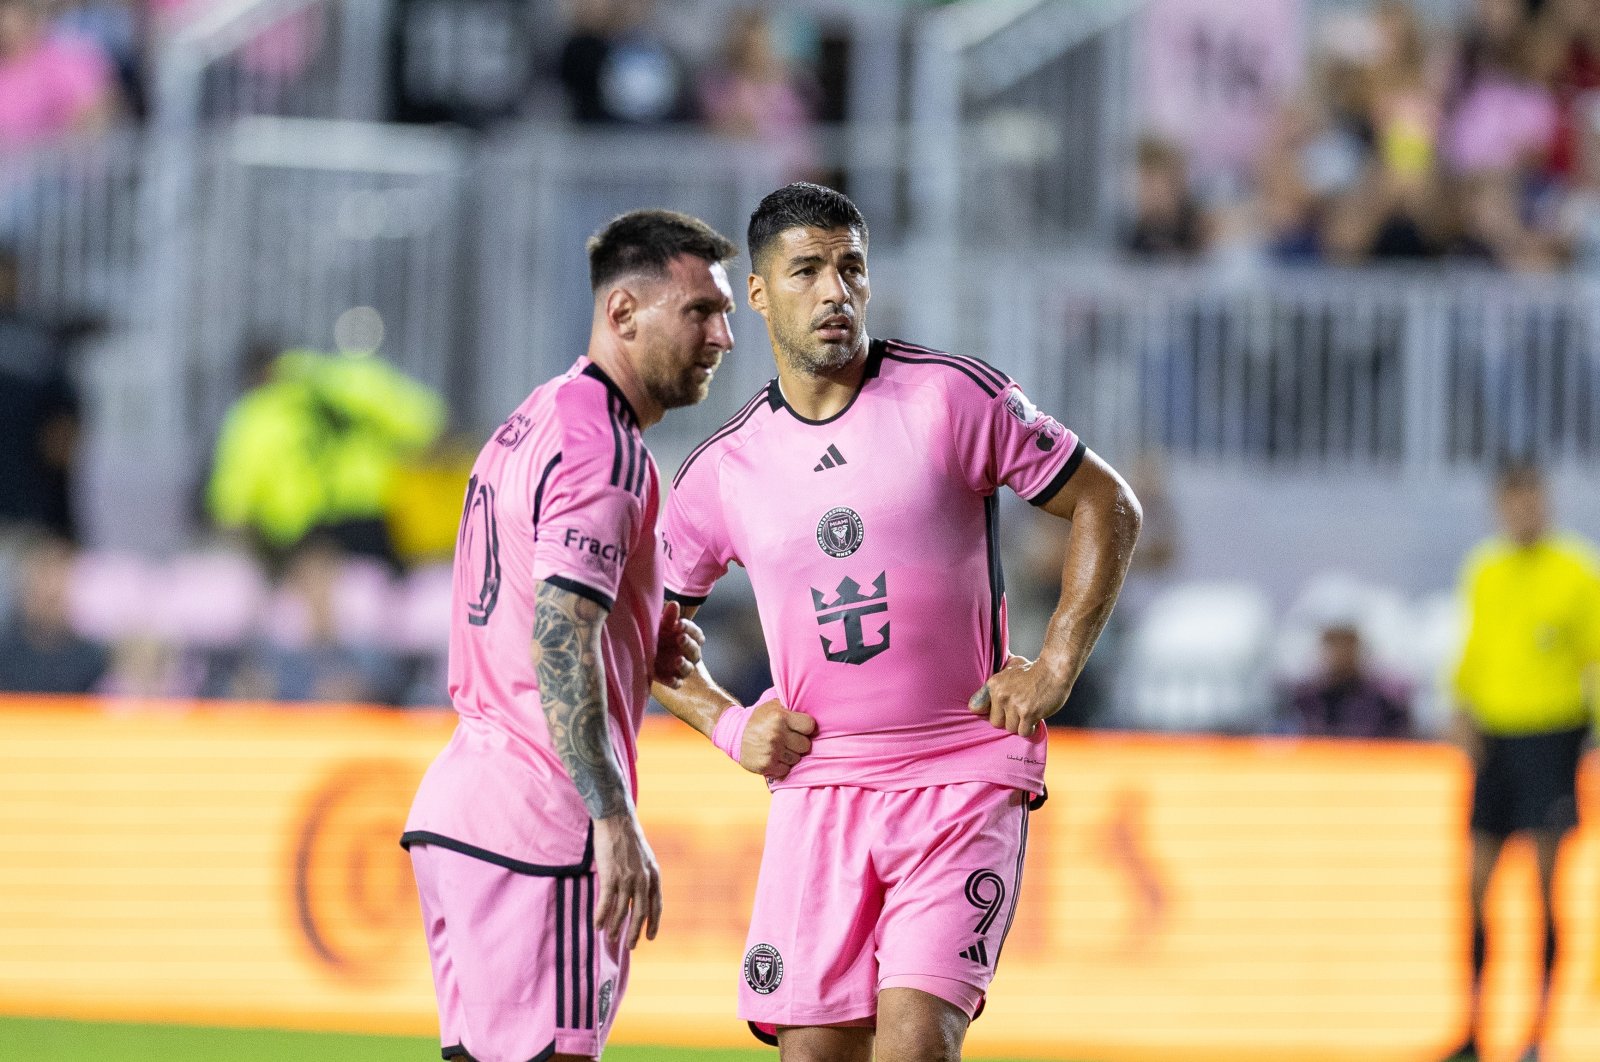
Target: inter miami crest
[[606, 991], [763, 969], [840, 531]]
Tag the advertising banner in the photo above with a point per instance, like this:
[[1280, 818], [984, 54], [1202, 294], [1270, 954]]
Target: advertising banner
[[1200, 898]]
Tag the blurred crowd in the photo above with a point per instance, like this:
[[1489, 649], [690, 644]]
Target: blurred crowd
[[1477, 141], [78, 66]]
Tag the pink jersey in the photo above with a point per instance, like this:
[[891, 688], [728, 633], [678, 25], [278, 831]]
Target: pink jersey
[[564, 493], [871, 543]]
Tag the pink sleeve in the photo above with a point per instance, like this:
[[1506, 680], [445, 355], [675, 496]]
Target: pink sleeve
[[587, 528], [1005, 439], [694, 537]]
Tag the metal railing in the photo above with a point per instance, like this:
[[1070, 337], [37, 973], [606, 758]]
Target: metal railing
[[70, 214], [306, 58], [1395, 371]]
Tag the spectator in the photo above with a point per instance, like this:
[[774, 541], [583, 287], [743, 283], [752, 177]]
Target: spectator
[[38, 419], [39, 651], [50, 84], [315, 445], [1579, 214], [1344, 698], [1281, 223], [1493, 228], [1503, 118], [616, 69], [1167, 221], [754, 94], [1573, 27]]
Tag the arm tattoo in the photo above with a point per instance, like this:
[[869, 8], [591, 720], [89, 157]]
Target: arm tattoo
[[566, 630]]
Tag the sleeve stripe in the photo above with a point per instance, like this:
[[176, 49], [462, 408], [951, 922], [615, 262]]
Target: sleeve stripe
[[1059, 480], [572, 586], [616, 440], [644, 461], [538, 493], [995, 376], [687, 600], [733, 424], [633, 457], [962, 369]]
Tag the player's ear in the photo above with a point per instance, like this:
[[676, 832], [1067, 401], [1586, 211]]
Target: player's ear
[[756, 293], [622, 312]]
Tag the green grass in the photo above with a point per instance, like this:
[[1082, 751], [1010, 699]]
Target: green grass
[[39, 1040]]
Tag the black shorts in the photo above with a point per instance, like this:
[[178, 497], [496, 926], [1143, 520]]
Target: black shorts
[[1528, 782]]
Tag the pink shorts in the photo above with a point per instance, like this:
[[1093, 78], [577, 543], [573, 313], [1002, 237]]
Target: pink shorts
[[863, 889], [519, 970]]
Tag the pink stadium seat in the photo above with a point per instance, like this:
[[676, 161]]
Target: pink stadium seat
[[362, 599], [111, 596], [211, 600], [423, 613]]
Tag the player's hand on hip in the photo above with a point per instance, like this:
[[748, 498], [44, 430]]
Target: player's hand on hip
[[775, 739], [678, 646], [1020, 696], [628, 879]]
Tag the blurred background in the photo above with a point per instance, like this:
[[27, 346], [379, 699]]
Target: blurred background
[[1307, 271]]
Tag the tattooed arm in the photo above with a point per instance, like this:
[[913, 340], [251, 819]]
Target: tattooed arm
[[572, 690]]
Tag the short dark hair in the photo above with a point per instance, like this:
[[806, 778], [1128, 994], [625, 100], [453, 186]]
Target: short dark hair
[[800, 205], [646, 241], [1518, 473]]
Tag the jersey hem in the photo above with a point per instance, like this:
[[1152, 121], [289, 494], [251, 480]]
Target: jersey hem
[[687, 600], [583, 590], [517, 866], [1059, 480]]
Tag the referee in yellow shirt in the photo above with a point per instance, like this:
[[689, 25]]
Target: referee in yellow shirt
[[1523, 691]]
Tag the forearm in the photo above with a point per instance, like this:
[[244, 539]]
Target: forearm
[[699, 701], [1099, 550], [572, 693]]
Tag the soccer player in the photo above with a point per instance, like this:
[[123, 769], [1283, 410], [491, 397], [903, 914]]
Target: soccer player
[[1533, 601], [858, 490], [523, 835]]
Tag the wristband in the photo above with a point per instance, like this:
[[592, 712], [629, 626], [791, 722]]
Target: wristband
[[728, 734]]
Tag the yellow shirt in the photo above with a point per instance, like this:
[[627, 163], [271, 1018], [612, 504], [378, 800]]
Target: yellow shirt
[[1533, 634]]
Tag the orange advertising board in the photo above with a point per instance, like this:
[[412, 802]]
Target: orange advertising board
[[1184, 898]]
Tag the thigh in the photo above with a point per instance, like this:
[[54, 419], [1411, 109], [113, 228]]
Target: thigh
[[915, 1026], [958, 855], [809, 959], [825, 1044]]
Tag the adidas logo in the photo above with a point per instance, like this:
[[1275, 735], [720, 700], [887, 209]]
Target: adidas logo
[[829, 459], [977, 953]]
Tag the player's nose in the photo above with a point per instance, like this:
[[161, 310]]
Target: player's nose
[[833, 288], [720, 335]]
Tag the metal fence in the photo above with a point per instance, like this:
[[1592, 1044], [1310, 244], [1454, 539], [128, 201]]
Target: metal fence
[[1393, 371], [70, 213]]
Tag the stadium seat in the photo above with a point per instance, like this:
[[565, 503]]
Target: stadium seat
[[111, 595], [423, 611], [211, 599], [1199, 660]]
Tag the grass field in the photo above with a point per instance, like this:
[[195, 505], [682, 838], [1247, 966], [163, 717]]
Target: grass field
[[68, 1041]]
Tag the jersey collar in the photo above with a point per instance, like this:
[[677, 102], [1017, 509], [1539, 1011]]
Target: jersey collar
[[600, 374], [875, 350]]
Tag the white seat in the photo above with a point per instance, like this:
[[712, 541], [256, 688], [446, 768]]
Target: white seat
[[1198, 660]]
